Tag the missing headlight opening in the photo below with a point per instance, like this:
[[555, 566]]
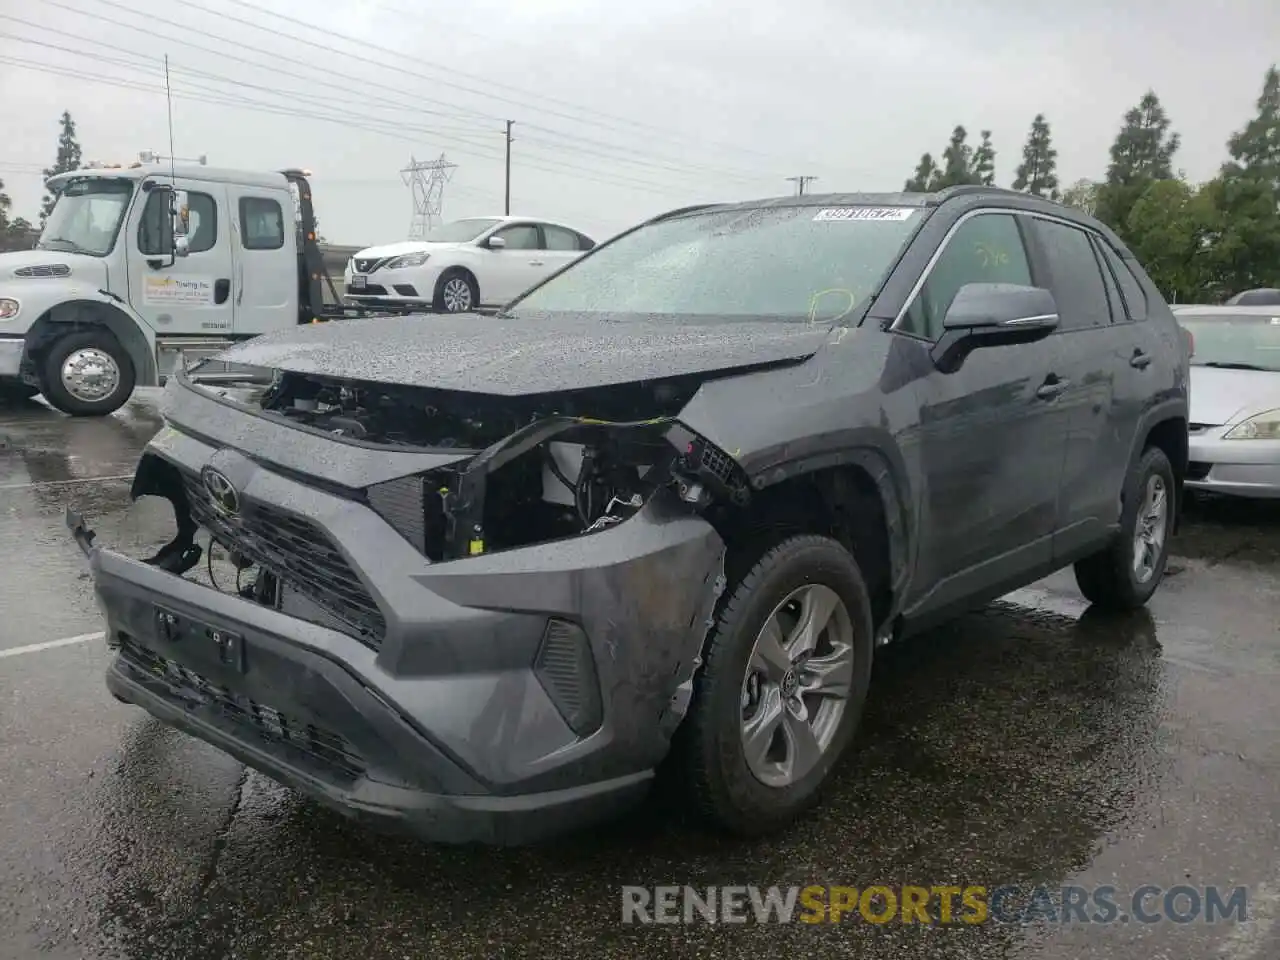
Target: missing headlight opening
[[535, 468]]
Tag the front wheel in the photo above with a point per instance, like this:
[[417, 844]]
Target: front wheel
[[456, 292], [1125, 574], [87, 374], [783, 686]]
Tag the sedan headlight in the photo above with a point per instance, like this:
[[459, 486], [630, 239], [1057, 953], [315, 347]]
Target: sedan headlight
[[408, 260], [1262, 426], [8, 308]]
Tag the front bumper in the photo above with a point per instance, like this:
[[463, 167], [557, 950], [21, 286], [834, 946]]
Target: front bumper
[[410, 285], [448, 726], [1242, 468], [11, 349]]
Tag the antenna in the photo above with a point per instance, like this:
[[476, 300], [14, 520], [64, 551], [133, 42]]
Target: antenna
[[173, 174]]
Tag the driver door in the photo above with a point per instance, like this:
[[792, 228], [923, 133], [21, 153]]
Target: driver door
[[510, 271], [182, 295], [990, 445]]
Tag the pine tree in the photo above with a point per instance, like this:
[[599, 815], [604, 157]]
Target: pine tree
[[68, 159], [983, 169], [5, 205], [957, 160], [1255, 150], [1037, 174], [1144, 148], [925, 176]]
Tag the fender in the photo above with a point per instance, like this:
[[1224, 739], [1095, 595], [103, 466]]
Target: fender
[[871, 450], [98, 309]]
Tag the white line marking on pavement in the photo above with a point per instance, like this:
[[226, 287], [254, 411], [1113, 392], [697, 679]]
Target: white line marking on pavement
[[1248, 939], [51, 483], [51, 644]]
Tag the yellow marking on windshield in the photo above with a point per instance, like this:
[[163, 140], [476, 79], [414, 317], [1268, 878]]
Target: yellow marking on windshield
[[841, 291]]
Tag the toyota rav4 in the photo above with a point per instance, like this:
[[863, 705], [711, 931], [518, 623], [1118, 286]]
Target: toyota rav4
[[657, 516]]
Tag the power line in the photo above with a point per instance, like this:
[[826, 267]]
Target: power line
[[397, 132], [151, 34]]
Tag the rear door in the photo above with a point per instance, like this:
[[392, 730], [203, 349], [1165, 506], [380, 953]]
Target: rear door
[[1088, 346], [561, 247], [182, 295], [266, 281]]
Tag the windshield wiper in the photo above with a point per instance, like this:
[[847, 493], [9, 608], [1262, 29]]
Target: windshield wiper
[[1232, 365], [74, 247]]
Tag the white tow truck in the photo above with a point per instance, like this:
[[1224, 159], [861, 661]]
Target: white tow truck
[[143, 270]]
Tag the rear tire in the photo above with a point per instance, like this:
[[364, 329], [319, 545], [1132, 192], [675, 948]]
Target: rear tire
[[87, 374], [1124, 575], [456, 292], [742, 777]]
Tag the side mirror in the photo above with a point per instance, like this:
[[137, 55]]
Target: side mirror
[[993, 315], [495, 243], [181, 246]]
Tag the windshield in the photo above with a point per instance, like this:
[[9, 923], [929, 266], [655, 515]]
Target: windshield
[[1251, 340], [87, 216], [460, 231], [792, 263]]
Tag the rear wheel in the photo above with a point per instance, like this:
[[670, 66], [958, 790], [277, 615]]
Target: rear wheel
[[87, 373], [779, 698], [456, 292], [1125, 574]]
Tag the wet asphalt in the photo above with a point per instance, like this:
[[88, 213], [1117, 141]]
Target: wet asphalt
[[1031, 743]]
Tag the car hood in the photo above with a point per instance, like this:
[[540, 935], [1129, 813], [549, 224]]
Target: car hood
[[1222, 396], [528, 354], [403, 247], [83, 267]]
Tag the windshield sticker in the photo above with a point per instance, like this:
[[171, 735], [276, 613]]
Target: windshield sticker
[[865, 213]]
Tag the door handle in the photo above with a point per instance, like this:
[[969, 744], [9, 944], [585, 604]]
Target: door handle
[[1140, 360], [221, 290], [535, 263], [1052, 387]]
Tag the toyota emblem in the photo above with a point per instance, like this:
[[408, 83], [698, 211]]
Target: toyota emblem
[[222, 491]]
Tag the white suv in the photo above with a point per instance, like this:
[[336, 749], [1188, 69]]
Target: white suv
[[463, 265]]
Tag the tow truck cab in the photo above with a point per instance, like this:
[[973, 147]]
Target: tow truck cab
[[142, 270]]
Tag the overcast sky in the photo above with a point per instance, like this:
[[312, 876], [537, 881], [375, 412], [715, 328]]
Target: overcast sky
[[622, 109]]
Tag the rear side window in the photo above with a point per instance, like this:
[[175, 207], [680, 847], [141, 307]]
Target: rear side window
[[1076, 276], [558, 238], [261, 224], [1135, 298], [585, 243], [985, 249]]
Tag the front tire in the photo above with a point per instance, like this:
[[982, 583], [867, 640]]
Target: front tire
[[1124, 575], [87, 374], [779, 698], [456, 292]]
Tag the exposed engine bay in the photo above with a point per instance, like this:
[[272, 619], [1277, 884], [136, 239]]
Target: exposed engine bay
[[544, 467]]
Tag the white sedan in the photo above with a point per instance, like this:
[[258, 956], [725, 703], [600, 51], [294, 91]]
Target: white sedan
[[464, 265]]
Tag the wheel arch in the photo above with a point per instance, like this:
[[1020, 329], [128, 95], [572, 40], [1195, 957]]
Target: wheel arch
[[1165, 426], [452, 270], [854, 495], [74, 315]]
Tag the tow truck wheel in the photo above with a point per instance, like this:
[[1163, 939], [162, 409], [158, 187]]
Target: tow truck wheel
[[456, 292], [87, 374], [779, 697]]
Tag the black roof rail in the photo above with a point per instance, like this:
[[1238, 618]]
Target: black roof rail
[[969, 189], [682, 210]]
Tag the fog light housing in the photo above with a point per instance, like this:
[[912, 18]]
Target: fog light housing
[[567, 671], [9, 308]]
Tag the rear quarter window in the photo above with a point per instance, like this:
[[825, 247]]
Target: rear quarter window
[[1132, 290]]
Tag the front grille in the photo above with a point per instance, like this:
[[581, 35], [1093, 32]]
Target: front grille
[[1197, 470], [286, 733], [367, 265], [369, 290], [298, 552]]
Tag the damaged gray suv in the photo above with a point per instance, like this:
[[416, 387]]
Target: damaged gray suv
[[656, 517]]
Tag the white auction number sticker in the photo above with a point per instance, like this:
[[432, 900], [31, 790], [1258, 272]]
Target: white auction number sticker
[[864, 213]]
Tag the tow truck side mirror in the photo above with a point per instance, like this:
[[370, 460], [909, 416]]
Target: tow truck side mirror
[[181, 213]]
